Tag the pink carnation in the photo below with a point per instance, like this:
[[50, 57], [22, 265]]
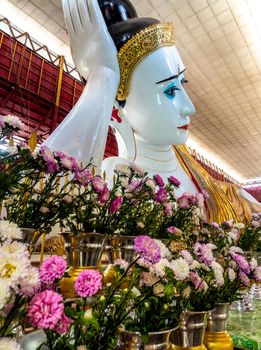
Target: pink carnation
[[116, 204], [83, 177], [98, 184], [148, 249], [63, 324], [45, 309], [88, 283], [195, 279], [134, 186], [51, 163], [104, 195], [52, 269], [242, 263]]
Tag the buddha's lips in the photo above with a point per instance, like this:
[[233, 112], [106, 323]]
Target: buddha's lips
[[184, 127]]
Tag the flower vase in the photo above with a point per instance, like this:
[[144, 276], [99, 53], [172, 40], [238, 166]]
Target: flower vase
[[133, 341], [216, 336], [30, 237], [191, 331], [83, 251], [122, 248]]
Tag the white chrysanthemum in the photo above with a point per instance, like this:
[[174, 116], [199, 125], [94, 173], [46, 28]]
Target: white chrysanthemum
[[148, 279], [164, 251], [123, 169], [14, 248], [5, 293], [159, 268], [218, 272], [180, 268], [13, 121], [9, 344], [234, 249], [31, 283], [233, 235], [187, 256], [231, 274], [9, 230], [13, 265]]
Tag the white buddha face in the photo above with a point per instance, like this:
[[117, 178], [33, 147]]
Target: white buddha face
[[157, 107]]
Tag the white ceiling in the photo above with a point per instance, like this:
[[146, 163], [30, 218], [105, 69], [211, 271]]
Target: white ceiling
[[220, 43]]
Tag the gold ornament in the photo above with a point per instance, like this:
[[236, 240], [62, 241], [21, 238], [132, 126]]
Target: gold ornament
[[218, 340], [137, 48]]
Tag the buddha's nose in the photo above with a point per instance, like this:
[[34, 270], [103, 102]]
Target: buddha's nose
[[185, 111]]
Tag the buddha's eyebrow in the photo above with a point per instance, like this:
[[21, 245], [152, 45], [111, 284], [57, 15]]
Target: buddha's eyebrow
[[172, 77]]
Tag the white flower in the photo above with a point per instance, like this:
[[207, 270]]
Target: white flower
[[231, 274], [135, 167], [30, 284], [239, 225], [123, 169], [195, 265], [148, 279], [218, 272], [164, 251], [124, 182], [253, 263], [5, 293], [180, 268], [13, 121], [9, 230], [234, 249], [205, 267], [233, 264], [204, 286], [158, 290], [9, 344], [255, 223], [136, 292], [187, 256], [233, 235], [14, 262], [88, 314], [159, 268], [151, 184]]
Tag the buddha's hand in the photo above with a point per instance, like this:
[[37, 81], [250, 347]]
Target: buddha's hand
[[90, 42]]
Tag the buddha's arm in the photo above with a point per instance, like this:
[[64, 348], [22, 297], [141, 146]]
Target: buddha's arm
[[83, 132]]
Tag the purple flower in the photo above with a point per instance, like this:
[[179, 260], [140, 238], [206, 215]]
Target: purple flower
[[214, 224], [52, 269], [98, 184], [116, 204], [45, 309], [66, 160], [195, 279], [148, 249], [48, 157], [104, 195], [174, 181], [161, 195], [88, 283], [187, 200], [159, 181], [134, 186], [63, 325], [168, 209], [242, 263], [243, 277], [84, 177], [226, 225], [172, 229]]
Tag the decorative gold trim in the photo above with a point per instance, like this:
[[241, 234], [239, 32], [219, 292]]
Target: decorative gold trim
[[137, 48]]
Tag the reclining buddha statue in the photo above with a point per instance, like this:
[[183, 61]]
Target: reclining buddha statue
[[133, 64]]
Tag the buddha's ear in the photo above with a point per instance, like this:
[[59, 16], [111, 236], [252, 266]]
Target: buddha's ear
[[124, 134]]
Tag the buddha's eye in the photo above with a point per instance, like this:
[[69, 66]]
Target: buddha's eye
[[183, 81], [170, 91]]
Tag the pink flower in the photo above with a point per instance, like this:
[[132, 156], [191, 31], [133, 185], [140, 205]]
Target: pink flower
[[83, 177], [65, 159], [30, 284], [174, 181], [257, 274], [186, 200], [159, 181], [123, 264], [52, 268], [98, 184], [161, 195], [104, 195], [243, 277], [255, 223], [172, 229], [48, 157], [88, 283], [187, 256], [63, 325], [200, 200], [45, 309], [242, 263], [205, 194], [148, 249], [116, 204], [168, 209], [134, 186], [137, 169], [214, 224], [195, 279]]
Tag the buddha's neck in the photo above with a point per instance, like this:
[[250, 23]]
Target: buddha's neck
[[156, 159]]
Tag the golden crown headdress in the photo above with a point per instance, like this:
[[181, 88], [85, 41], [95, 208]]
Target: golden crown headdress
[[137, 48]]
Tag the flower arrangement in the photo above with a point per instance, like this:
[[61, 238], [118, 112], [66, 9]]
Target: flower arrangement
[[250, 239], [39, 198]]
